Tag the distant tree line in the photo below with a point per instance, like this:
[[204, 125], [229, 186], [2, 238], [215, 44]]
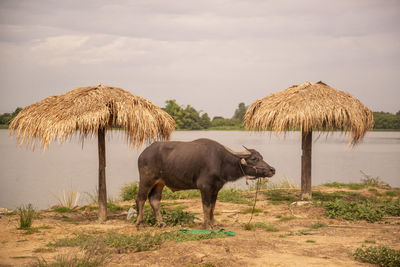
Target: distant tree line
[[188, 118], [6, 118], [386, 120]]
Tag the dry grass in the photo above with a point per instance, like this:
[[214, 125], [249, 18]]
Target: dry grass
[[310, 106], [69, 200], [88, 109]]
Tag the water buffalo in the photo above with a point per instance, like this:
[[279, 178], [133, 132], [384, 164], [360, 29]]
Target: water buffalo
[[202, 164]]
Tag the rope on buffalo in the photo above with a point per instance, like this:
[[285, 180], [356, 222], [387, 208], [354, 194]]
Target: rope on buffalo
[[258, 186]]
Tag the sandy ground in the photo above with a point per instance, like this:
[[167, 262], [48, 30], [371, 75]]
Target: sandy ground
[[295, 244]]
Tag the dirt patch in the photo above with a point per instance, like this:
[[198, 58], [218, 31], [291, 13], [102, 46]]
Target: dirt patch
[[296, 243]]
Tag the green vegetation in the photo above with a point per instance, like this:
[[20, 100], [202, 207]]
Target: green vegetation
[[283, 183], [95, 255], [113, 208], [233, 195], [63, 210], [129, 192], [6, 118], [184, 194], [352, 186], [343, 195], [170, 217], [26, 214], [67, 219], [318, 225], [178, 236], [354, 210], [260, 225], [188, 118], [250, 210], [366, 181], [286, 218], [122, 243], [380, 255], [387, 121], [277, 196]]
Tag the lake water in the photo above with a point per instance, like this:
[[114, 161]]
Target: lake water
[[37, 177]]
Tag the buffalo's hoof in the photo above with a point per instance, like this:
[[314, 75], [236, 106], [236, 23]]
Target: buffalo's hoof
[[140, 226]]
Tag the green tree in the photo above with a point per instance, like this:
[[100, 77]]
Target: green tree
[[6, 118], [205, 121], [385, 120], [240, 112], [187, 118]]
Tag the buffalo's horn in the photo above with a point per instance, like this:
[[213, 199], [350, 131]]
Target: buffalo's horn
[[245, 148], [244, 154]]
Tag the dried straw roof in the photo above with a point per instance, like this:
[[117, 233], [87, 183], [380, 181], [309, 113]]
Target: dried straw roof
[[88, 109], [310, 106]]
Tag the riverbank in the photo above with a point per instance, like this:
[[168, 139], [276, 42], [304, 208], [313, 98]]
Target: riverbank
[[283, 232]]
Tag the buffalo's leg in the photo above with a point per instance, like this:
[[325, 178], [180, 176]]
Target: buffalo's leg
[[144, 189], [154, 199], [208, 198], [213, 201]]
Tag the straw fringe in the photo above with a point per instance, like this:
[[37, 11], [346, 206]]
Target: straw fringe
[[88, 109], [310, 106]]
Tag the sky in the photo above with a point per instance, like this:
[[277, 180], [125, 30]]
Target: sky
[[211, 54]]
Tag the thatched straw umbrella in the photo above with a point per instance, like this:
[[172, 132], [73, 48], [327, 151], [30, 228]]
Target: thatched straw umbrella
[[309, 107], [91, 111]]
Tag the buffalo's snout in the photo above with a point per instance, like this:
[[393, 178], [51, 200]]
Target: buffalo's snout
[[271, 172]]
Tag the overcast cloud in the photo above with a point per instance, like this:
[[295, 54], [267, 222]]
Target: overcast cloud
[[210, 54]]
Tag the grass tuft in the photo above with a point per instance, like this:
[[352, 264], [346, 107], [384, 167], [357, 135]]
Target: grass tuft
[[380, 255], [260, 225], [318, 225], [69, 199], [26, 215], [233, 195], [96, 254]]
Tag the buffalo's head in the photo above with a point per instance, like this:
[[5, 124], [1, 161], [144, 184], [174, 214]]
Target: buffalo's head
[[253, 164]]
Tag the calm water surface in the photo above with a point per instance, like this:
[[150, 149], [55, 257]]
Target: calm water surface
[[36, 177]]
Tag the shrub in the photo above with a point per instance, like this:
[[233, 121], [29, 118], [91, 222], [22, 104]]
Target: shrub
[[129, 191], [170, 217], [26, 215], [380, 255], [353, 210], [392, 208]]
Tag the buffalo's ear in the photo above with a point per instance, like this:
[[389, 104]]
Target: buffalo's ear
[[243, 162]]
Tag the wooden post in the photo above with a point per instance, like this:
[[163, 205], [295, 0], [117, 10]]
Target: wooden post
[[102, 175], [306, 144]]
